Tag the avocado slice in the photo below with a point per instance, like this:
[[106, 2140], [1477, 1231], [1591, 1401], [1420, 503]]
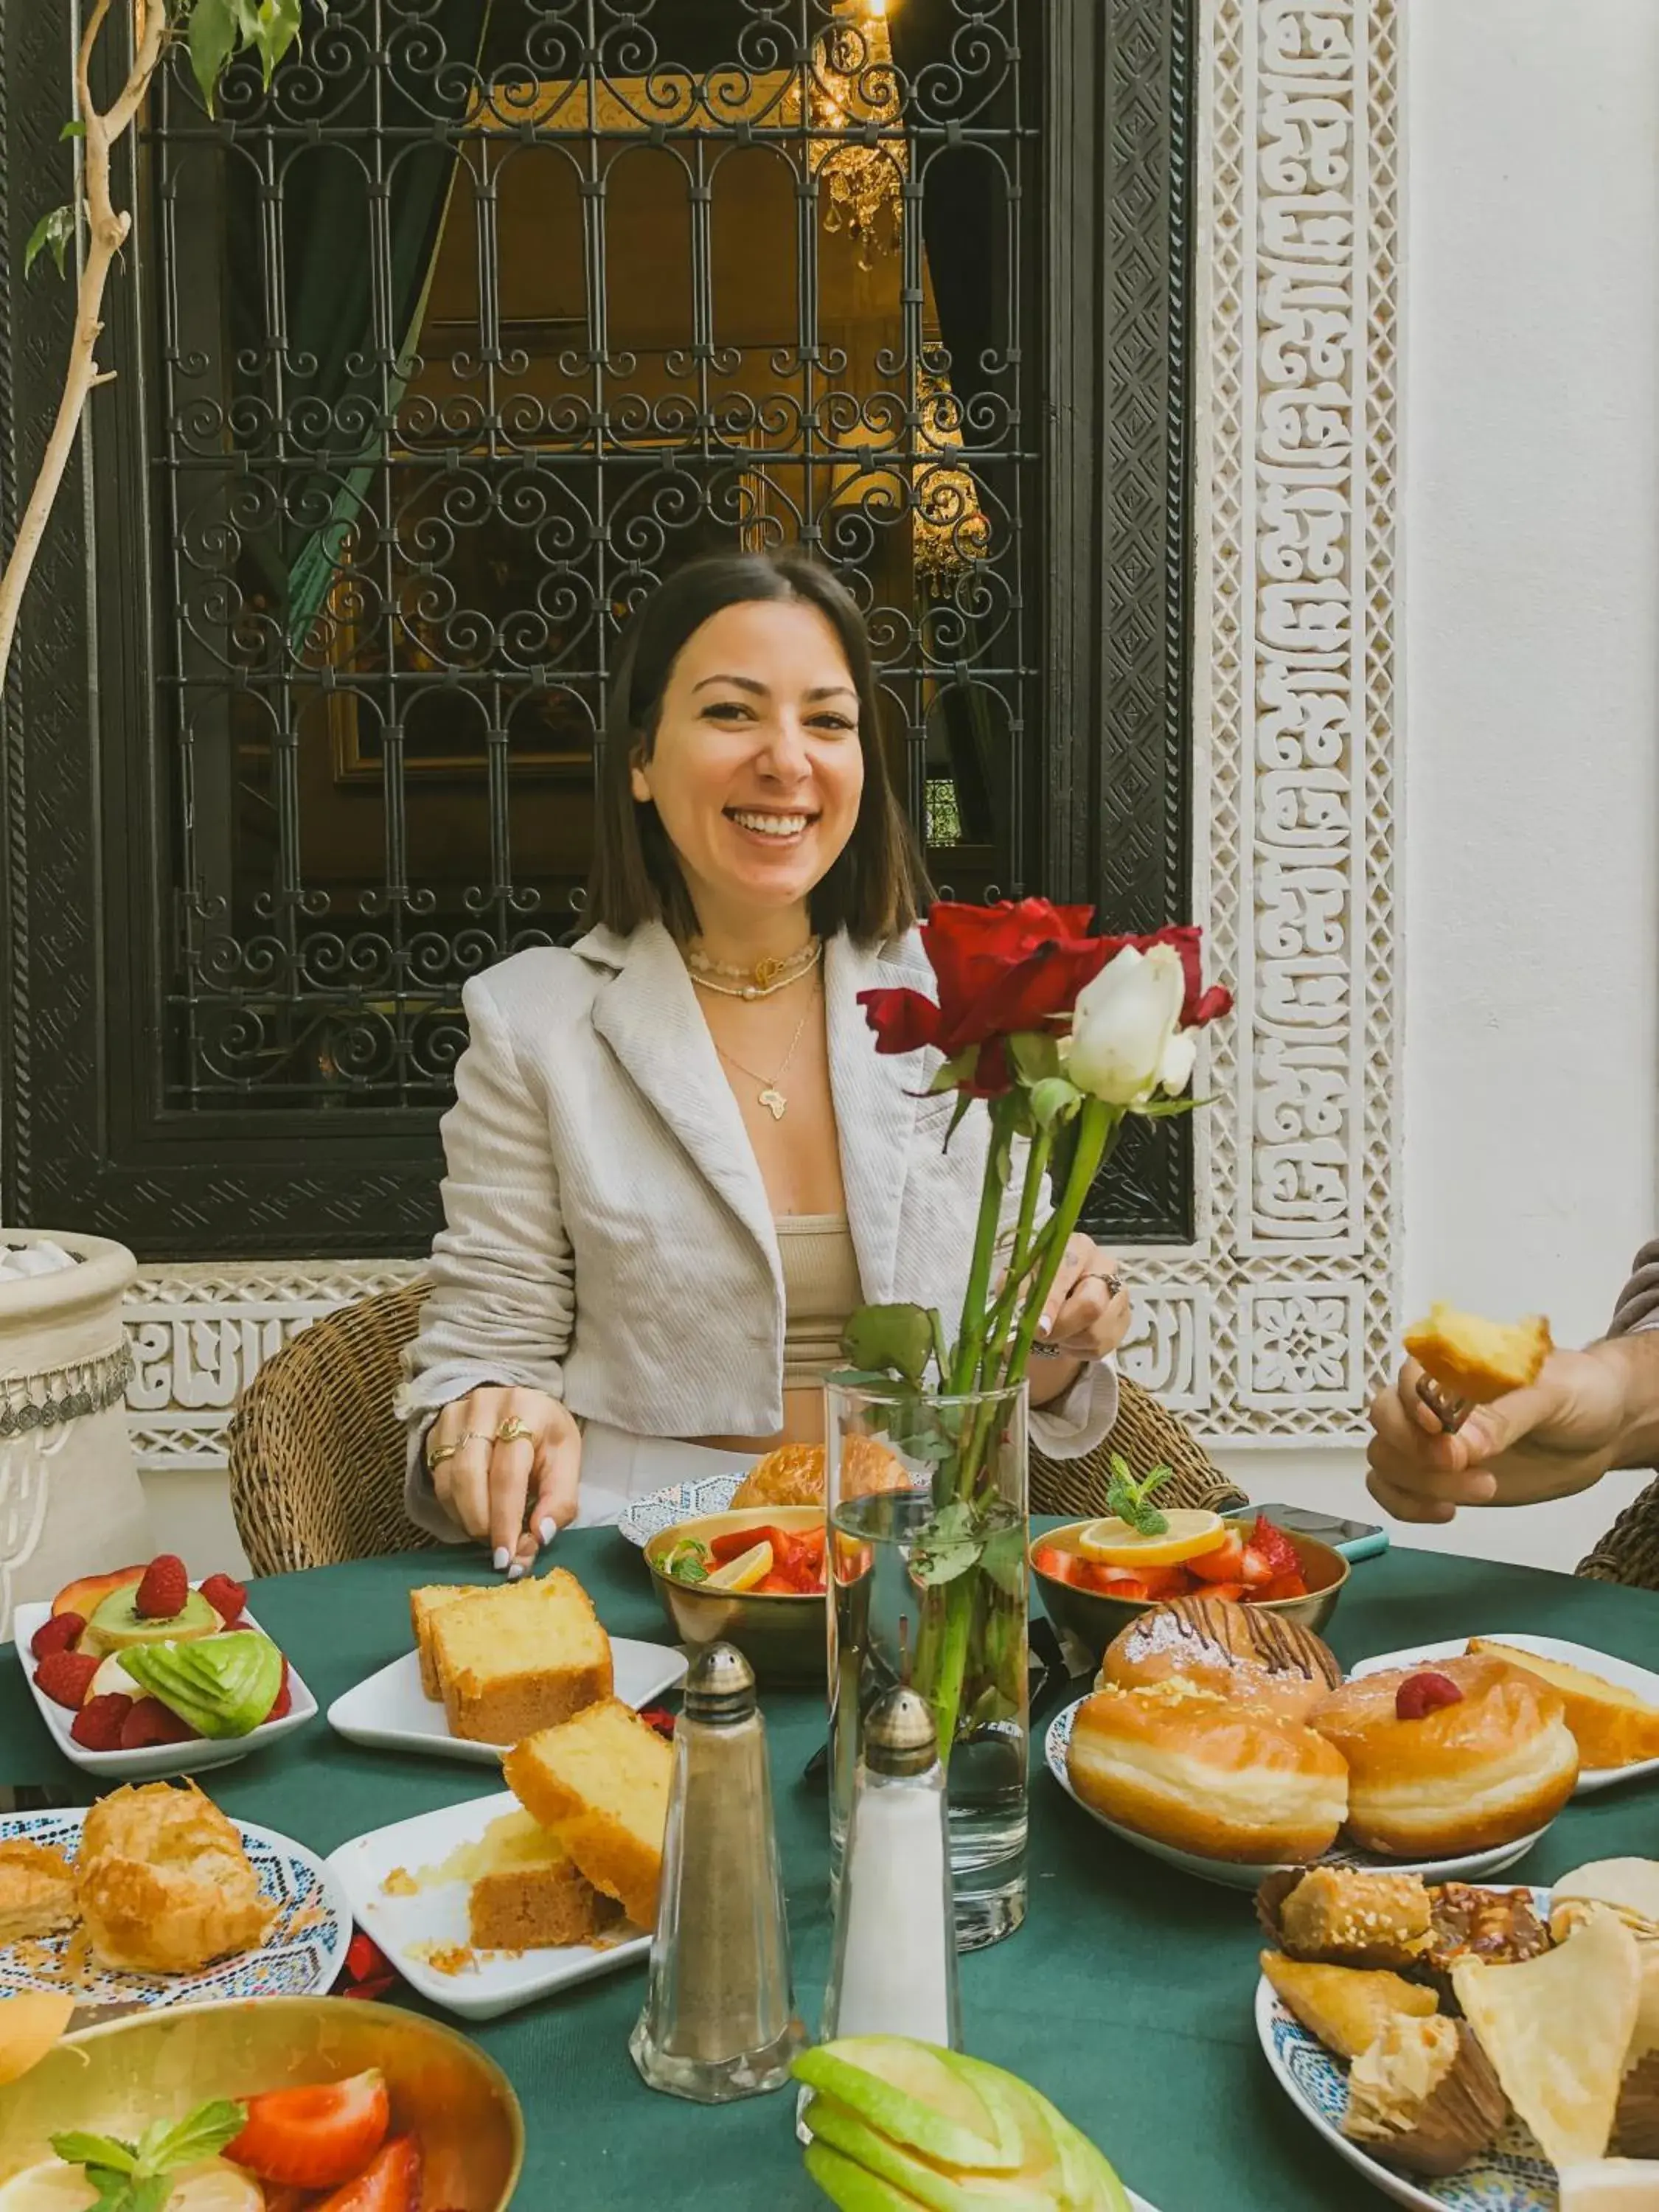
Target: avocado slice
[[118, 1627]]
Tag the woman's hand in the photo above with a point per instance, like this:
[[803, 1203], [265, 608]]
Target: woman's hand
[[1559, 1434], [501, 1459], [1087, 1314]]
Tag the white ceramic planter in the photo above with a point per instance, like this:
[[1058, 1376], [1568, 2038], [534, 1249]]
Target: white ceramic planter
[[71, 1499]]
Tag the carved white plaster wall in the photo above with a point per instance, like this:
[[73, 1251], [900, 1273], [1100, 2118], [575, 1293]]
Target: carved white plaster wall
[[1274, 1325]]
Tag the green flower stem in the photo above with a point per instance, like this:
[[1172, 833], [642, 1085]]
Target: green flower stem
[[1097, 1128], [971, 1338]]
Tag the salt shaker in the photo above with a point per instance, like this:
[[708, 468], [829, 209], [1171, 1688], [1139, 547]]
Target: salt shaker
[[719, 2019], [894, 1967]]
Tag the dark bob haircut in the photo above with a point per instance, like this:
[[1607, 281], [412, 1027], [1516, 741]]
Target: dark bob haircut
[[877, 886]]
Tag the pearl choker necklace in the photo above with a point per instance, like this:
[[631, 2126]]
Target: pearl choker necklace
[[759, 981]]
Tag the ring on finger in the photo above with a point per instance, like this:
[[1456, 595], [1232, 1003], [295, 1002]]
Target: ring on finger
[[443, 1452], [1113, 1283], [513, 1430]]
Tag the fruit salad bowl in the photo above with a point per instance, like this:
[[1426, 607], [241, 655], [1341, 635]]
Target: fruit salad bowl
[[1078, 1601], [116, 2080], [783, 1633]]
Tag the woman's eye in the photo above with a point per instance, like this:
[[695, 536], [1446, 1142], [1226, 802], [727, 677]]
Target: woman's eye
[[727, 710], [834, 722]]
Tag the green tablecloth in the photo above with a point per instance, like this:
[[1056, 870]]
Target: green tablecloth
[[1126, 1997]]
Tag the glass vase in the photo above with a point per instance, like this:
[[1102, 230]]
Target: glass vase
[[927, 1509]]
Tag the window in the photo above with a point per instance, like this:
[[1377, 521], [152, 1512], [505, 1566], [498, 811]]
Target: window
[[435, 357]]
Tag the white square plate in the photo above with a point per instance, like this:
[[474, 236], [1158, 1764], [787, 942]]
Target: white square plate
[[390, 1710], [411, 1930], [1624, 1671], [161, 1758]]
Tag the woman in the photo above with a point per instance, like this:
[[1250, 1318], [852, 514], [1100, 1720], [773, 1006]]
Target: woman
[[676, 1160]]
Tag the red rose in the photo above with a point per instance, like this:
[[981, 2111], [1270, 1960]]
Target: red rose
[[1001, 970]]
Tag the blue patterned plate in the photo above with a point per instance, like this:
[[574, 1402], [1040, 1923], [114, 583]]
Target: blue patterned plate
[[1513, 2177], [682, 1501], [301, 1957], [1241, 1874]]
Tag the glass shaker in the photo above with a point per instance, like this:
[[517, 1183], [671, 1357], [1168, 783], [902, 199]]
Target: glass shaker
[[719, 2019]]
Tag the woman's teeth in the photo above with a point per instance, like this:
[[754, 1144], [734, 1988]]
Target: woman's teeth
[[771, 825]]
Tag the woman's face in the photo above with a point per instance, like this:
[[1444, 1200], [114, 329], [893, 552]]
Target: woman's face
[[757, 771]]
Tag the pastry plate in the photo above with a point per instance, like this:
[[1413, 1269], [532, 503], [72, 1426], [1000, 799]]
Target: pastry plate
[[648, 1517], [390, 1710], [417, 1932], [159, 1759], [305, 1951], [1623, 1672], [1238, 1874], [1513, 2177]]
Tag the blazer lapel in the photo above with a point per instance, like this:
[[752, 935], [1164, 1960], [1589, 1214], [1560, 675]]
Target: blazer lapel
[[649, 1017], [875, 1109]]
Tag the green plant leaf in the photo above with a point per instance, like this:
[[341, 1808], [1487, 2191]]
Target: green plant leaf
[[72, 131], [55, 231], [898, 1339], [1054, 1101], [213, 36], [76, 2149], [1035, 1056], [1132, 1501], [948, 1546], [964, 1102], [1004, 1558]]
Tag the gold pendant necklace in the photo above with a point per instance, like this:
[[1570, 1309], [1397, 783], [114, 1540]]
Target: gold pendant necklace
[[768, 1095]]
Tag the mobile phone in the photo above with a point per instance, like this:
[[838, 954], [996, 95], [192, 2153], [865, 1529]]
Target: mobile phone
[[1355, 1540]]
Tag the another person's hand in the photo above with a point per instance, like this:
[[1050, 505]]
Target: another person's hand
[[1558, 1435], [1088, 1308], [505, 1463]]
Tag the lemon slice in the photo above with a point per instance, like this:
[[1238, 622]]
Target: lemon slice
[[742, 1573], [1113, 1543], [30, 2023], [51, 2186]]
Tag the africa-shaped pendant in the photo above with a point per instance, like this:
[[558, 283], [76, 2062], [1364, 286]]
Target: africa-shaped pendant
[[775, 1102]]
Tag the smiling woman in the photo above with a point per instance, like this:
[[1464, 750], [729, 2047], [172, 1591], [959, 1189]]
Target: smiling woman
[[675, 1166]]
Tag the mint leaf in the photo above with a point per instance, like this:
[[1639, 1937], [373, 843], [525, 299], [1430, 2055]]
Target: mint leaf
[[1131, 1500], [204, 2135], [686, 1562], [78, 2149]]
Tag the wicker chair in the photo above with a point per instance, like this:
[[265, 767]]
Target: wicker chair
[[317, 1455], [1628, 1553]]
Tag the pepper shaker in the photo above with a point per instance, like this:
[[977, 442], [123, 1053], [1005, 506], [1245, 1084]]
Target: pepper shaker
[[894, 1968], [719, 2019]]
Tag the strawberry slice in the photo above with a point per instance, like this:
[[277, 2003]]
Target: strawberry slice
[[1275, 1547], [1059, 1566], [1163, 1583], [1254, 1568], [1229, 1592], [1281, 1586], [1224, 1563], [317, 2137], [392, 2184], [1112, 1582]]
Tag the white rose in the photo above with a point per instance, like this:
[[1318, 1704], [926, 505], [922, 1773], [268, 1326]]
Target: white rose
[[1126, 1040]]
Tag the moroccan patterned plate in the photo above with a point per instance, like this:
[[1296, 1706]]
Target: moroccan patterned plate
[[1240, 1874], [1513, 2177], [301, 1956], [682, 1501]]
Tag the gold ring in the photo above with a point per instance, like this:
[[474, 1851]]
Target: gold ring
[[444, 1451], [513, 1429]]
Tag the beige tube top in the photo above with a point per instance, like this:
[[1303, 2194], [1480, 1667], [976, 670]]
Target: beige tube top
[[820, 1290]]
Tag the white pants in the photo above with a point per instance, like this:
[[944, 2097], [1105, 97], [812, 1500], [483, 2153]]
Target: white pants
[[618, 1467]]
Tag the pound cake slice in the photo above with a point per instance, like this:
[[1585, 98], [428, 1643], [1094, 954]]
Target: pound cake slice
[[600, 1783], [529, 1892], [1613, 1726], [519, 1658], [423, 1603]]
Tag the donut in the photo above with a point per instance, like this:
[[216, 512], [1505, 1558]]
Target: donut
[[1231, 1648], [1497, 1763], [1206, 1773]]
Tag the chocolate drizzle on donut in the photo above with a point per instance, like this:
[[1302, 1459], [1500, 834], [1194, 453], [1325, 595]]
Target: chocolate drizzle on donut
[[1188, 1629]]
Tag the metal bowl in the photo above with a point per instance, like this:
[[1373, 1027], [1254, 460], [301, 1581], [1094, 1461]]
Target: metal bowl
[[115, 2079], [784, 1637], [1095, 1618]]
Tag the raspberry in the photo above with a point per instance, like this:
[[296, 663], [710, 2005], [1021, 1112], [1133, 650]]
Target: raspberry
[[66, 1677], [57, 1633], [284, 1700], [225, 1596], [1419, 1694], [98, 1724], [151, 1722], [164, 1591]]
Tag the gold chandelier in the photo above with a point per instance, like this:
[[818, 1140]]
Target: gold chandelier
[[855, 86]]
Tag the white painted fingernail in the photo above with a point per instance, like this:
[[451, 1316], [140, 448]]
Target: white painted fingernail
[[502, 1555], [1043, 1325], [547, 1530], [515, 1572]]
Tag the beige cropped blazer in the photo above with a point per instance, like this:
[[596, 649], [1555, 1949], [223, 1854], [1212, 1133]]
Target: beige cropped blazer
[[607, 1236]]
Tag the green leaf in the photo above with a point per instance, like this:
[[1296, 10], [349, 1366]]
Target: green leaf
[[948, 1546], [896, 1338], [1054, 1102], [203, 2135], [213, 37], [78, 2149], [1162, 1109], [1131, 1500], [72, 131], [153, 2194], [276, 26], [963, 1103], [1005, 1559], [1035, 1056], [55, 230], [687, 1563]]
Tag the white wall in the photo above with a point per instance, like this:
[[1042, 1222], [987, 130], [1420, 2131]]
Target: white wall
[[1530, 530]]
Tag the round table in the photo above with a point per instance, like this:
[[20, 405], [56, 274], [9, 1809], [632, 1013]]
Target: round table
[[1126, 1997]]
